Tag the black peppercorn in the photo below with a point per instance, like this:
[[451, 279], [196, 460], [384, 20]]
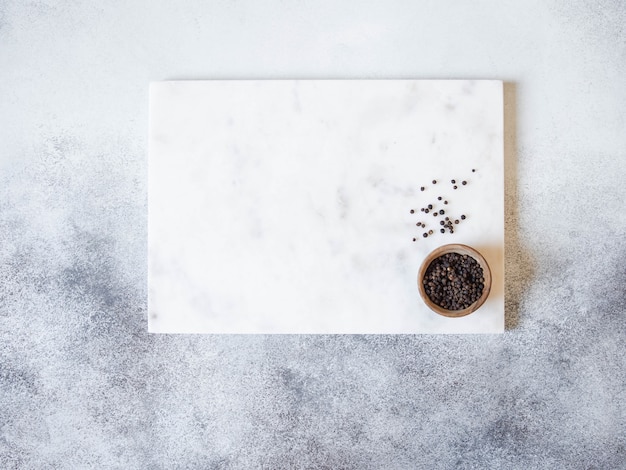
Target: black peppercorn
[[473, 170], [454, 187], [430, 206], [426, 211], [445, 202], [439, 198], [442, 230], [434, 181], [441, 212], [463, 217], [453, 281], [453, 181], [414, 239], [456, 221], [435, 214], [422, 209], [422, 188], [442, 223], [430, 232], [424, 235], [412, 211], [463, 183]]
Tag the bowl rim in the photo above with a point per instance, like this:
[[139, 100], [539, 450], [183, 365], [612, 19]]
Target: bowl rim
[[464, 250]]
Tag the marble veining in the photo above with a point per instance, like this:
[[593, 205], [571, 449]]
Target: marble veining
[[283, 206]]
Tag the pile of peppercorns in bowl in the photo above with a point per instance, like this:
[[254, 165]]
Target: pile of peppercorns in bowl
[[454, 280]]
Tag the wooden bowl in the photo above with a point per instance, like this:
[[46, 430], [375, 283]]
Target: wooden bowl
[[462, 250]]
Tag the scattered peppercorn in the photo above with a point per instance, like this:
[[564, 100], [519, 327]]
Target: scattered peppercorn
[[414, 239], [448, 224]]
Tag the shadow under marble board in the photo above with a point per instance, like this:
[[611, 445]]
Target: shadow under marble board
[[284, 206]]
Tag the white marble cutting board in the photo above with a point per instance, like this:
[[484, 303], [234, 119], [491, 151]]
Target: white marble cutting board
[[284, 206]]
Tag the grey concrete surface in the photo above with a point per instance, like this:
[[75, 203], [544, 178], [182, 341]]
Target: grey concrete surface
[[82, 383]]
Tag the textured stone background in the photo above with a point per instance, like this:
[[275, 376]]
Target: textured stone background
[[82, 385]]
